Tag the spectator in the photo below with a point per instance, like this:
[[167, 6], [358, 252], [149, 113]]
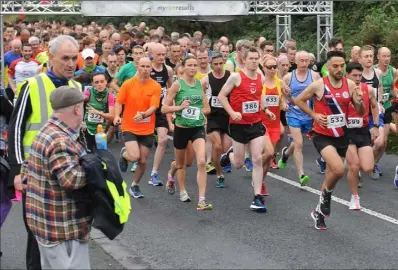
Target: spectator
[[58, 185]]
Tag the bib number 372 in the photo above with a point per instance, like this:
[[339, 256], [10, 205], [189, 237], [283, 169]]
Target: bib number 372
[[336, 120], [191, 113], [250, 107]]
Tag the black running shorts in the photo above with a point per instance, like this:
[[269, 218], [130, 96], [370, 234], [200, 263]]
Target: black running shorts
[[322, 141], [218, 122], [244, 133], [161, 120], [183, 135], [359, 136]]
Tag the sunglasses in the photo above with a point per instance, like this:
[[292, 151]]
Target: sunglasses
[[272, 67]]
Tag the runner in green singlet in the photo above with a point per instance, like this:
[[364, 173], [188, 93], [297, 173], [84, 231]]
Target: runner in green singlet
[[388, 75], [188, 101], [99, 108]]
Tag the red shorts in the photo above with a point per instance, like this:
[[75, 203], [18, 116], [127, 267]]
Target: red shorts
[[274, 134]]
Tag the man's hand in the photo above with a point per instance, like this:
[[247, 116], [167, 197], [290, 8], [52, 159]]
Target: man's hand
[[236, 116], [138, 117], [171, 127], [19, 186], [358, 94], [321, 119], [374, 133], [286, 90], [117, 121]]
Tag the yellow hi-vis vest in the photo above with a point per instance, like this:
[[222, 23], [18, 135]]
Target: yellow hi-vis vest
[[40, 89]]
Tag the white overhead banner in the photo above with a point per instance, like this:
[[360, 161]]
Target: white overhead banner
[[164, 8]]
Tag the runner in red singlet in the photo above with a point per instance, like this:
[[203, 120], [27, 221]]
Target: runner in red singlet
[[245, 125], [395, 102], [272, 98], [360, 154], [332, 96]]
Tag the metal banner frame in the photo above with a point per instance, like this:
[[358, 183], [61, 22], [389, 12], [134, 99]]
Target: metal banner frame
[[283, 10]]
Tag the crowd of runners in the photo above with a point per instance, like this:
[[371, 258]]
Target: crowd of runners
[[226, 104]]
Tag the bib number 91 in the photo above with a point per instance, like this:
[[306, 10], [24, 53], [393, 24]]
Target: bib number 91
[[191, 113]]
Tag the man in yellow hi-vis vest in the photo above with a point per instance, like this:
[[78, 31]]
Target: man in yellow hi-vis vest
[[31, 112]]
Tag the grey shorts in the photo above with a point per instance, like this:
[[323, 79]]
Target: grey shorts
[[145, 140]]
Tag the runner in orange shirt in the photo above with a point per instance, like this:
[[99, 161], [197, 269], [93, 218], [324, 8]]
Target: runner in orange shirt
[[141, 97]]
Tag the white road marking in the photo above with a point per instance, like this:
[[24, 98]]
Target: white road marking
[[334, 198]]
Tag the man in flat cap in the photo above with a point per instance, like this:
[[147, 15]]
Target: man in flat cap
[[31, 112], [53, 174]]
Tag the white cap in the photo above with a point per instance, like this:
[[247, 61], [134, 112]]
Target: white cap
[[86, 53]]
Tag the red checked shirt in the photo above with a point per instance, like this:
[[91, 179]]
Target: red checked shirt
[[53, 176]]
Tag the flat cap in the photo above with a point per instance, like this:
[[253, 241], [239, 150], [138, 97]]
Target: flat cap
[[65, 96]]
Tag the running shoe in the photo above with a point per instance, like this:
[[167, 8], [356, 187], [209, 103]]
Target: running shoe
[[136, 192], [210, 169], [324, 203], [227, 168], [284, 158], [258, 204], [184, 197], [321, 164], [274, 165], [360, 180], [264, 190], [123, 164], [170, 185], [248, 164], [220, 182], [374, 174], [154, 180], [203, 205], [378, 169], [355, 203], [304, 179], [396, 177], [319, 220], [134, 166], [224, 160]]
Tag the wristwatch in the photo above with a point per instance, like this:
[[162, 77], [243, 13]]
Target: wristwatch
[[376, 125]]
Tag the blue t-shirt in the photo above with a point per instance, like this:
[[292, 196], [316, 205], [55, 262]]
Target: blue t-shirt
[[97, 69], [10, 57]]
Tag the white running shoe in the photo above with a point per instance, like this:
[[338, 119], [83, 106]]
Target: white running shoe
[[374, 174], [184, 197], [354, 203], [396, 177]]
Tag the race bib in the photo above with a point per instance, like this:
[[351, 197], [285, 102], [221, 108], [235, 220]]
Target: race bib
[[191, 113], [145, 120], [336, 120], [95, 118], [356, 122], [250, 107], [215, 102], [271, 100], [386, 96], [163, 95]]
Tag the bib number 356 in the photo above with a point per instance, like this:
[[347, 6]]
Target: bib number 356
[[191, 113], [250, 107], [336, 120]]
